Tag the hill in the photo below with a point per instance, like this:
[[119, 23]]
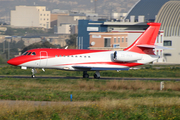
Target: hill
[[104, 7]]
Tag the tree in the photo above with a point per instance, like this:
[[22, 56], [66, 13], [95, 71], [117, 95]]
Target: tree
[[2, 61], [9, 31], [71, 42], [44, 44]]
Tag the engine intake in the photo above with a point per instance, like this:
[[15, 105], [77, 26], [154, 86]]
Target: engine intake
[[126, 56]]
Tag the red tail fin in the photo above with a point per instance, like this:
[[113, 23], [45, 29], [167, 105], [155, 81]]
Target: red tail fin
[[144, 44]]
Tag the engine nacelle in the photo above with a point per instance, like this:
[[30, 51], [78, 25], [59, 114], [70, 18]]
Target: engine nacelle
[[126, 56]]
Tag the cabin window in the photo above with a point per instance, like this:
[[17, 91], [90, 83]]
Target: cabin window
[[88, 56], [33, 53], [64, 56], [25, 53], [29, 53], [56, 56], [84, 56], [59, 55], [72, 56]]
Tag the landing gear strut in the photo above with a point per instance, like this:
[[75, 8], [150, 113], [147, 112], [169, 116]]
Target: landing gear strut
[[85, 75], [33, 72], [97, 75]]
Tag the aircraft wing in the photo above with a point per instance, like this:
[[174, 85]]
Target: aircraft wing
[[88, 68]]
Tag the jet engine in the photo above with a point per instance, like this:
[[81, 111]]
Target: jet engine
[[125, 56]]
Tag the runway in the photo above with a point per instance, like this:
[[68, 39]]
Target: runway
[[102, 78]]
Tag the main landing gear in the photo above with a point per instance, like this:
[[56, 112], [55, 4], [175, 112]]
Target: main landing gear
[[85, 75], [96, 75]]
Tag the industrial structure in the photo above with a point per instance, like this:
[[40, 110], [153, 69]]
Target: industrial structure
[[169, 17], [146, 8]]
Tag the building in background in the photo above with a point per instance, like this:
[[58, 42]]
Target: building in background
[[84, 28], [169, 17], [119, 40], [54, 18], [67, 24], [147, 8], [30, 16], [100, 35]]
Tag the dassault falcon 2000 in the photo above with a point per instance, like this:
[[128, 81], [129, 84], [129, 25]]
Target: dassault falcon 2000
[[139, 53]]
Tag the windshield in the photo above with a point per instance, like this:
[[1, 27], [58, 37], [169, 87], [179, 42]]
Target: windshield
[[25, 53]]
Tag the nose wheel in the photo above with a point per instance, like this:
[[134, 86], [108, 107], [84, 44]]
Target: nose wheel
[[33, 76], [33, 73]]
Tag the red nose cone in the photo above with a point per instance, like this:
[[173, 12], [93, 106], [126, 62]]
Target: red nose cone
[[12, 62]]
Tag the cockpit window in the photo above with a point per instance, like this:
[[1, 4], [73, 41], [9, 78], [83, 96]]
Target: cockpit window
[[29, 53], [25, 53], [33, 53]]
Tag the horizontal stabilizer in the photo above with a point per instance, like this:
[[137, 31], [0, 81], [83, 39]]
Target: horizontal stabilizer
[[153, 46]]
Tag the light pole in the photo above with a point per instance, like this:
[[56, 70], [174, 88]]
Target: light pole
[[8, 50], [4, 46]]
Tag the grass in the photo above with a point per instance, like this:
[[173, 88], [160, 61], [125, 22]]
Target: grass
[[162, 72], [82, 90], [119, 100], [122, 100], [124, 109]]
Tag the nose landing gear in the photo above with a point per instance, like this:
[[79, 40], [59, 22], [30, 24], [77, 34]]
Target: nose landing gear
[[33, 73]]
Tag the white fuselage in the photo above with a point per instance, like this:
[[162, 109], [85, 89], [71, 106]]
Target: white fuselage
[[97, 59]]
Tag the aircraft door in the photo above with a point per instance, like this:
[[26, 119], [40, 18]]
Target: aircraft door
[[43, 59]]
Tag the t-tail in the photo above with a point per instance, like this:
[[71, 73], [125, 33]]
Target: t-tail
[[145, 43]]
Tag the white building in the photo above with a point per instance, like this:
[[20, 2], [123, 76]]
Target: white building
[[30, 16]]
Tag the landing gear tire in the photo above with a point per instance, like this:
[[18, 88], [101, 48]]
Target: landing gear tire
[[85, 75], [96, 76], [33, 76], [33, 72]]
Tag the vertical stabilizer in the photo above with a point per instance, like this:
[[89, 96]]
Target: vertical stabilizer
[[145, 43]]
